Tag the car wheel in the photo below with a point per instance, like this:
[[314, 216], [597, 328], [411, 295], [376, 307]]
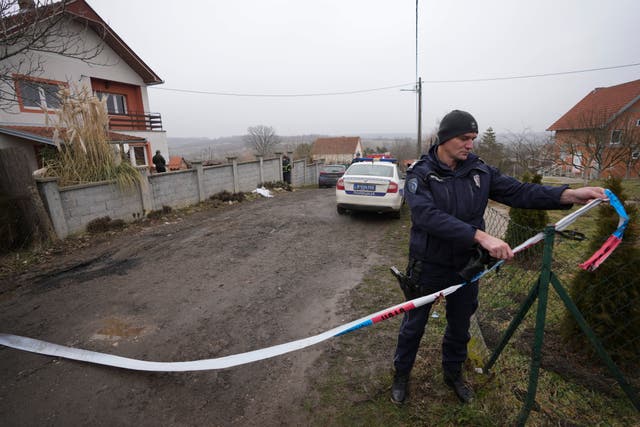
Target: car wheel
[[341, 210]]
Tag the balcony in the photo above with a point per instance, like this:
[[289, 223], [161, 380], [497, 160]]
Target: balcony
[[136, 121]]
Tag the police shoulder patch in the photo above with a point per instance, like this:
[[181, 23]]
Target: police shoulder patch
[[412, 185]]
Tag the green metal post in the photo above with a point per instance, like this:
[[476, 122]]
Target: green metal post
[[543, 293]]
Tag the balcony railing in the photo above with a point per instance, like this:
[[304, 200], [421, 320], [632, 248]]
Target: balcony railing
[[136, 121]]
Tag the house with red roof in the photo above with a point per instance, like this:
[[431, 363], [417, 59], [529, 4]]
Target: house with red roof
[[177, 163], [337, 150], [116, 73], [600, 135]]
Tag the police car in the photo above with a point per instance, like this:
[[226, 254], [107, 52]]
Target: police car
[[371, 184]]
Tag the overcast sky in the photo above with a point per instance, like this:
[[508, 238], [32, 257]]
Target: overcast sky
[[298, 47]]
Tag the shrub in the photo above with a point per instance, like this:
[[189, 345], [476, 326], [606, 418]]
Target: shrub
[[524, 223], [226, 196], [609, 297], [105, 223], [270, 185], [157, 214]]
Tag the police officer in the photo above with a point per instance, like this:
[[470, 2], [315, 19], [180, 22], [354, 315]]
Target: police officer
[[286, 169], [448, 190]]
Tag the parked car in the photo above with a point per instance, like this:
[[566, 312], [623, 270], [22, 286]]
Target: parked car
[[371, 185], [329, 175]]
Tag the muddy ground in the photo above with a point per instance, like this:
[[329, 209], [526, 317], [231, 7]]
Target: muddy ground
[[190, 286]]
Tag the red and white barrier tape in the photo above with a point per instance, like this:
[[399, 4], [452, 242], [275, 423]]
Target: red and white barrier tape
[[56, 350]]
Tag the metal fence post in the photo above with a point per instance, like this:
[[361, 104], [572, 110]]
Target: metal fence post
[[543, 294]]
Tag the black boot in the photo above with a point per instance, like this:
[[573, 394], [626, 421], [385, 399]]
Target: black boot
[[455, 381], [399, 387]]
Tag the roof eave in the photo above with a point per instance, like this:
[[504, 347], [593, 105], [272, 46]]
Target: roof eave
[[27, 136], [76, 9]]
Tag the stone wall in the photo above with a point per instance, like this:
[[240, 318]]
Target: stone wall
[[72, 208]]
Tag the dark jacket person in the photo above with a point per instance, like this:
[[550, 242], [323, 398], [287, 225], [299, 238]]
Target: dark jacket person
[[448, 190], [159, 162]]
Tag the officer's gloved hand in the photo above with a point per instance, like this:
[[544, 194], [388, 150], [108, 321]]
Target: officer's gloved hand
[[479, 261]]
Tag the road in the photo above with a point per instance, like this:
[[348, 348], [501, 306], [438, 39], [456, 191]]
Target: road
[[192, 286]]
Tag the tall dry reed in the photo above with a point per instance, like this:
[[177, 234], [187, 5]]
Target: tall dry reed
[[81, 136]]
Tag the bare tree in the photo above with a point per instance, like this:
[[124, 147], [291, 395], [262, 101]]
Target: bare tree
[[598, 142], [302, 151], [262, 139], [403, 149], [630, 145], [528, 152], [32, 29]]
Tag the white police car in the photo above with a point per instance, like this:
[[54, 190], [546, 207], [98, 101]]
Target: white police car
[[371, 184]]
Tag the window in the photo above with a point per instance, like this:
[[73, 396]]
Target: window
[[35, 94], [370, 170], [116, 103], [616, 137], [138, 153]]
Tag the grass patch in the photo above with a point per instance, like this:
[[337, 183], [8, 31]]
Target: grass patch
[[354, 388]]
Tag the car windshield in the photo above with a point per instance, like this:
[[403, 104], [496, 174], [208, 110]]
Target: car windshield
[[333, 169], [370, 170]]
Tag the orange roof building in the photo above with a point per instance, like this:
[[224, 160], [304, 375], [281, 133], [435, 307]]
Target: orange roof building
[[338, 150], [600, 135], [177, 163], [601, 106]]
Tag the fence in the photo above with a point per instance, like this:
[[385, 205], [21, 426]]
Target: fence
[[72, 208], [568, 376]]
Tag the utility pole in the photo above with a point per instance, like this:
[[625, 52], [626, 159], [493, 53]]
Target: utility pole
[[419, 90]]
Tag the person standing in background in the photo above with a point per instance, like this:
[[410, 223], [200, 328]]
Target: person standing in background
[[159, 162], [286, 169]]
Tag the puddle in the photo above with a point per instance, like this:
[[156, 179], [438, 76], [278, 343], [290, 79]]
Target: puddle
[[114, 328]]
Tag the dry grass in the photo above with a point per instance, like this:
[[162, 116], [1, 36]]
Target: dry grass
[[84, 153]]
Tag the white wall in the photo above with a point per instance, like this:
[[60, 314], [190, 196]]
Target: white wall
[[74, 71]]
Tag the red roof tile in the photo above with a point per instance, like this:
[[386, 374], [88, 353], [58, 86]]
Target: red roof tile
[[338, 145], [601, 105], [176, 162]]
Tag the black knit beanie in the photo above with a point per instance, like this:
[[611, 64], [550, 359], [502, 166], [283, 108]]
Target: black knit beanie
[[454, 124]]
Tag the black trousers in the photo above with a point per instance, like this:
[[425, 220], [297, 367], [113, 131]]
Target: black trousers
[[460, 307]]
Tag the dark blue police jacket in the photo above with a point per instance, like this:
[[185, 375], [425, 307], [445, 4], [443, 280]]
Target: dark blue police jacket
[[447, 206]]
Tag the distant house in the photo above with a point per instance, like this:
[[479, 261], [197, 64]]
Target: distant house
[[116, 74], [600, 135], [177, 163], [338, 150]]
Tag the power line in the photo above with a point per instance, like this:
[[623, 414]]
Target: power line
[[412, 84], [529, 76], [265, 95]]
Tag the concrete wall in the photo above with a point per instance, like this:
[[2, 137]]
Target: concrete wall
[[176, 189], [72, 208]]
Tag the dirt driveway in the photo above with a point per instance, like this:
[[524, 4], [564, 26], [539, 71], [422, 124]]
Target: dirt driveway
[[204, 285]]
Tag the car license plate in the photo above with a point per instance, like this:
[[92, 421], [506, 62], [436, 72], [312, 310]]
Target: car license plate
[[364, 187]]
